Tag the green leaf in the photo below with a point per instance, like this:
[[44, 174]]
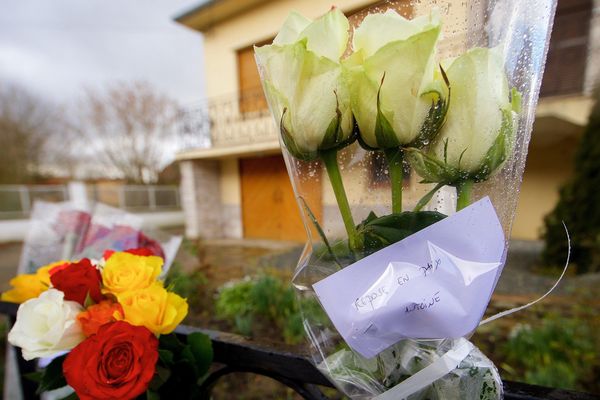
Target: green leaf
[[384, 231], [187, 357], [34, 376], [152, 395], [515, 100], [436, 117], [320, 231], [88, 302], [161, 375], [171, 343], [430, 168], [53, 377], [201, 347], [425, 199], [166, 356]]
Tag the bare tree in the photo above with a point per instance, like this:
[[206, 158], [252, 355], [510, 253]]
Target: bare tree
[[131, 127], [28, 126]]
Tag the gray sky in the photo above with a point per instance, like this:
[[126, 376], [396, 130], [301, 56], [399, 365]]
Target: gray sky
[[57, 47]]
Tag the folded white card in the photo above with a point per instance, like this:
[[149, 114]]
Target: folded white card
[[434, 284]]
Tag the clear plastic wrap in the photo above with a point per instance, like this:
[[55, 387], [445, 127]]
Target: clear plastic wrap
[[64, 231], [406, 113]]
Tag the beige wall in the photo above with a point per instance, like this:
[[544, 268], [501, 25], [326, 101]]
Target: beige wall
[[230, 182], [222, 41], [548, 167]]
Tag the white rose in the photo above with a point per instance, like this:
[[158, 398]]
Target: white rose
[[46, 325], [480, 126], [395, 111], [302, 79]]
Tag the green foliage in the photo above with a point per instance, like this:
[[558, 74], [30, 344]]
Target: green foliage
[[578, 206], [181, 366], [380, 232], [52, 376], [184, 284], [260, 303], [558, 353]]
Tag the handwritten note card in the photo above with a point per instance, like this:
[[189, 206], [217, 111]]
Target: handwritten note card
[[433, 284]]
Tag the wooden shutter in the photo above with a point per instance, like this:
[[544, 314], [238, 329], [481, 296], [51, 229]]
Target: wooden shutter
[[251, 96], [567, 56]]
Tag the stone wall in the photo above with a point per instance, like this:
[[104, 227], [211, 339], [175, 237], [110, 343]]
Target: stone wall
[[200, 198]]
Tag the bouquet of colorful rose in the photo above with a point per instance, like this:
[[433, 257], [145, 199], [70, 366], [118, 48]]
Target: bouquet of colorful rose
[[114, 319], [387, 99]]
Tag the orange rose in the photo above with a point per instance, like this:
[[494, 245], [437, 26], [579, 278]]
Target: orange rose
[[99, 314]]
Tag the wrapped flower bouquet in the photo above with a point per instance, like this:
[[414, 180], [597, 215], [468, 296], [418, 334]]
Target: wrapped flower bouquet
[[415, 117], [107, 327]]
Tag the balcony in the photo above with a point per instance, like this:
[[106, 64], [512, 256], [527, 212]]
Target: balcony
[[233, 124]]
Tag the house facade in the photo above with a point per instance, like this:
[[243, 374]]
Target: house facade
[[239, 187]]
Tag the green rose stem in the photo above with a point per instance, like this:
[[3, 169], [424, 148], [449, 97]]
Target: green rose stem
[[394, 158], [329, 158], [463, 190]]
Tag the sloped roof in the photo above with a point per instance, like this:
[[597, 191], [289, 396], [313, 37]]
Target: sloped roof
[[212, 12]]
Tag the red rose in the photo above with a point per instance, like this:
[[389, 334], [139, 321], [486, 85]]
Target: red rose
[[116, 363], [77, 280]]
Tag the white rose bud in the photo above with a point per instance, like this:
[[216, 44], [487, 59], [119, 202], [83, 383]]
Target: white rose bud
[[395, 95], [480, 124], [302, 79], [46, 325]]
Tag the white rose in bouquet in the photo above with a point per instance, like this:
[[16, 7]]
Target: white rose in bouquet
[[46, 325], [395, 94], [302, 78], [480, 125]]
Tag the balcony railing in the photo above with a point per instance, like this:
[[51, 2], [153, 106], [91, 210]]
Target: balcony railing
[[231, 120]]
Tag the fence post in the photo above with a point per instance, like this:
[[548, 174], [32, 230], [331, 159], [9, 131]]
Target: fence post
[[122, 197], [77, 194], [152, 197], [24, 199]]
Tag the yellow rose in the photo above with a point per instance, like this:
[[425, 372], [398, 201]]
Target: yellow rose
[[29, 286], [153, 307], [125, 272]]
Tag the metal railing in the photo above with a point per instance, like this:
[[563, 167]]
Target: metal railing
[[234, 354], [16, 201], [231, 120], [137, 197]]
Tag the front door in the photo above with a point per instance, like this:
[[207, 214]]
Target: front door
[[269, 207]]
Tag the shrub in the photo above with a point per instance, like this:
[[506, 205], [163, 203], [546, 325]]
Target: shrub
[[264, 303], [558, 353], [578, 206]]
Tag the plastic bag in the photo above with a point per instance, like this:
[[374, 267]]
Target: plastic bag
[[64, 231], [405, 122]]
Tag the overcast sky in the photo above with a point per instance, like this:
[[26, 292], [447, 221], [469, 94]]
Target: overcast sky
[[57, 47]]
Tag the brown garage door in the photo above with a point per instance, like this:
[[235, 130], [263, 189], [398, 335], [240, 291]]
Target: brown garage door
[[269, 208]]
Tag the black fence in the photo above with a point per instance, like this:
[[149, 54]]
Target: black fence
[[234, 353]]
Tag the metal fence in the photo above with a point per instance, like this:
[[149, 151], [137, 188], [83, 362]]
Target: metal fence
[[137, 197], [16, 201]]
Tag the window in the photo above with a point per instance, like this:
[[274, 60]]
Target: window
[[567, 56], [251, 96]]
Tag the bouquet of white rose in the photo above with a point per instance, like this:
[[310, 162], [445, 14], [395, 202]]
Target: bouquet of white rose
[[401, 112]]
